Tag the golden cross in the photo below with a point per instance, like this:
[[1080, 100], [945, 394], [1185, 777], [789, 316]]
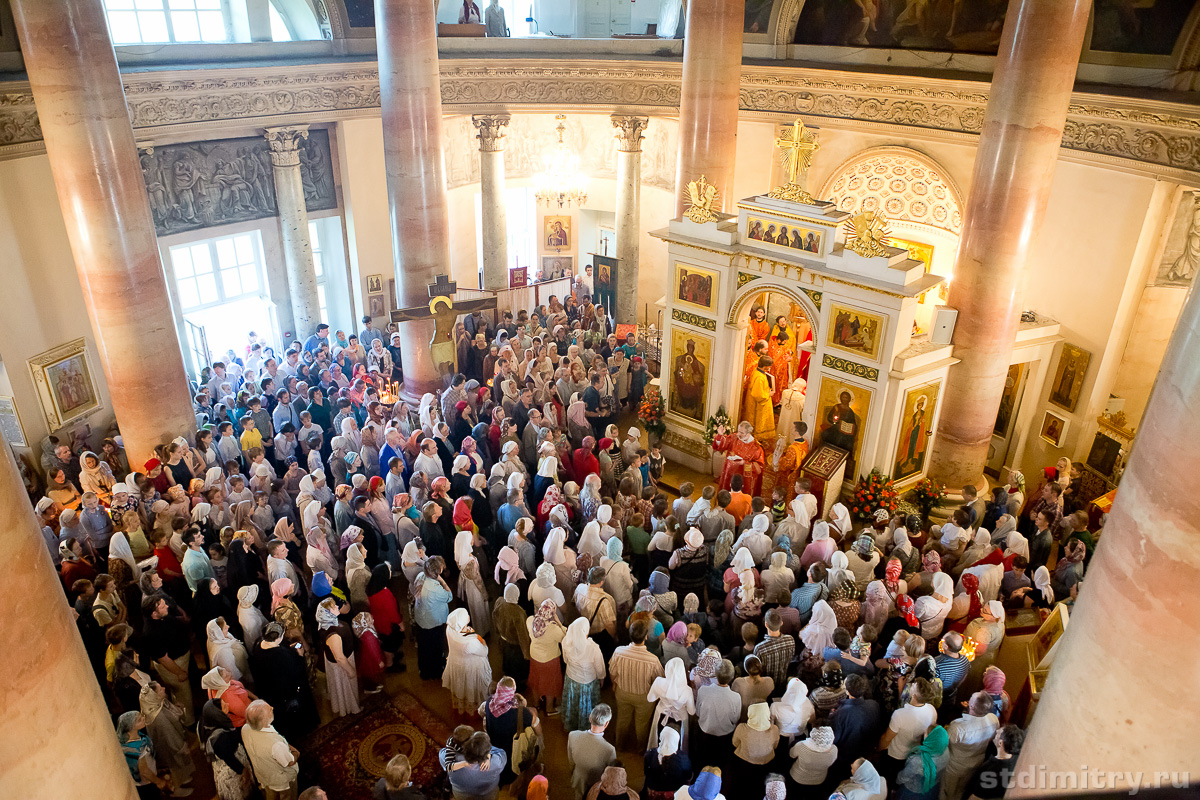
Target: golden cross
[[798, 150]]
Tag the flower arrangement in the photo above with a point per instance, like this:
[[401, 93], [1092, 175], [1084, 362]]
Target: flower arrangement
[[652, 411], [928, 494], [874, 491], [714, 422]]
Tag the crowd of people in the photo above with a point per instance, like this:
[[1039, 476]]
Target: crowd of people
[[286, 555]]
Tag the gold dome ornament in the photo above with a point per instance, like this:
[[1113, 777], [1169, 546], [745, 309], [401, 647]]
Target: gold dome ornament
[[867, 234], [703, 196]]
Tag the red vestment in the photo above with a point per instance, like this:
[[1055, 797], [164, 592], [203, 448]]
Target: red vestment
[[749, 462]]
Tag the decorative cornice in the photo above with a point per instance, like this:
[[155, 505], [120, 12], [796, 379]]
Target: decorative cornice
[[285, 144], [679, 315], [491, 129], [850, 367], [629, 132], [1147, 136]]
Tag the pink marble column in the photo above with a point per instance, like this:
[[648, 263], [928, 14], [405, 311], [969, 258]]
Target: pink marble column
[[1121, 693], [1014, 168], [56, 739], [708, 101], [411, 102], [81, 106]]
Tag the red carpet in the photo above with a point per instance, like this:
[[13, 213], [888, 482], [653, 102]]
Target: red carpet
[[347, 756]]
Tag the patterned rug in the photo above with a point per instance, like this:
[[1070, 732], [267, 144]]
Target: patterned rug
[[347, 756]]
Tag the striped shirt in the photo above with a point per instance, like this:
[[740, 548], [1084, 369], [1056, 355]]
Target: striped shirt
[[633, 669], [951, 670]]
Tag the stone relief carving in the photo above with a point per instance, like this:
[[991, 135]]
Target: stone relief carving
[[1162, 136], [202, 184], [529, 136]]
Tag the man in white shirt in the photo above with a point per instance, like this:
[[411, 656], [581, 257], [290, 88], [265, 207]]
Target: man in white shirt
[[804, 494], [273, 759], [907, 729], [428, 462], [718, 709], [969, 739]]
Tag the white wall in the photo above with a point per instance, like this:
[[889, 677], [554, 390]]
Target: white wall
[[43, 301]]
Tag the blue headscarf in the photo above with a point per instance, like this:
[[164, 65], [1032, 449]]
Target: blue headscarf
[[660, 582], [706, 787], [615, 549], [321, 588]]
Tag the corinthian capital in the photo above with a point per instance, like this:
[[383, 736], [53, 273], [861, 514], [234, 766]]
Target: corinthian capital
[[284, 143], [629, 132], [491, 131]]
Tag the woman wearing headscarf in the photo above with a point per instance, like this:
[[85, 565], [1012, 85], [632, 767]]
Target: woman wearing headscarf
[[666, 767], [1042, 595], [335, 640], [675, 701], [468, 673], [676, 645], [933, 608], [705, 671], [821, 548], [613, 785], [546, 633], [224, 650], [817, 634], [509, 620], [903, 550], [471, 589], [839, 518], [1017, 545], [231, 695], [865, 783], [385, 614], [794, 711], [862, 561], [96, 476], [980, 552], [689, 565], [249, 616], [547, 476], [754, 743], [1068, 573], [358, 575], [839, 571], [286, 612], [967, 604], [778, 577], [165, 728], [922, 773], [747, 600], [665, 601], [813, 757], [562, 558], [585, 671]]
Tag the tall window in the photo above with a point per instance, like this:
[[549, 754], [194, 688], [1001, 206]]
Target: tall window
[[216, 271], [138, 21], [314, 237]]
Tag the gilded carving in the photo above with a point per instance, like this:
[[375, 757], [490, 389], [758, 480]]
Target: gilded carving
[[702, 195], [850, 367], [745, 277], [815, 296], [679, 315]]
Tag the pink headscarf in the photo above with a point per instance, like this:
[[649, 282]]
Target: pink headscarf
[[281, 590], [504, 699], [508, 560]]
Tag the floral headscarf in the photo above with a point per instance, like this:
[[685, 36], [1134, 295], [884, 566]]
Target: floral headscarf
[[932, 562], [546, 612], [907, 609]]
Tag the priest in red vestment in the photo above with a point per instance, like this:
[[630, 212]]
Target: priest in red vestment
[[743, 456], [787, 472]]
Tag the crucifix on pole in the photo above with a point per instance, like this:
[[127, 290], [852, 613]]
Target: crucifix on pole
[[797, 153], [444, 311]]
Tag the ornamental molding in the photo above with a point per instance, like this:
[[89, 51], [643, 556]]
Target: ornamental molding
[[850, 367], [687, 317], [1140, 135]]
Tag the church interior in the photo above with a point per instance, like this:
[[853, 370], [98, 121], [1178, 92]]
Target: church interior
[[468, 399]]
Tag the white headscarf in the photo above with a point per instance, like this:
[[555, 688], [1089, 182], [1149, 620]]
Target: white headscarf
[[761, 524], [213, 478], [200, 512], [575, 643], [459, 618], [668, 743], [840, 516], [943, 585], [794, 711], [1041, 579], [1017, 544], [820, 531], [355, 560], [548, 468], [867, 777], [118, 546], [818, 633], [839, 569], [589, 541], [462, 548], [552, 550], [224, 650], [996, 609], [675, 690], [900, 539], [742, 561]]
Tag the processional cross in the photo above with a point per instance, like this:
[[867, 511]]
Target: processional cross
[[444, 311], [796, 155]]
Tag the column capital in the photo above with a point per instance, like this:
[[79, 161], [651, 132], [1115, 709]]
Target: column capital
[[285, 143], [491, 131], [629, 132]]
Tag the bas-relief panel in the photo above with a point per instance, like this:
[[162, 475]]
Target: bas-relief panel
[[530, 136], [202, 184], [1181, 254]]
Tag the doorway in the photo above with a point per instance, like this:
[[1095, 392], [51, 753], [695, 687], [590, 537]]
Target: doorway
[[780, 321], [602, 18]]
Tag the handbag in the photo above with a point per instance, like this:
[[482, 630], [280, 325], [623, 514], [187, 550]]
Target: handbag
[[604, 639]]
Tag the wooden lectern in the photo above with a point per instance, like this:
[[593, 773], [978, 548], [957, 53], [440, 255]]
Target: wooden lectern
[[826, 468]]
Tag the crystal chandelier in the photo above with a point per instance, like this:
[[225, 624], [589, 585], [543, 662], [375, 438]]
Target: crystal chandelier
[[560, 181]]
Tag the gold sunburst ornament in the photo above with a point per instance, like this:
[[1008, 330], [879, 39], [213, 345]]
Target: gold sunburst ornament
[[703, 196], [867, 234], [796, 153]]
